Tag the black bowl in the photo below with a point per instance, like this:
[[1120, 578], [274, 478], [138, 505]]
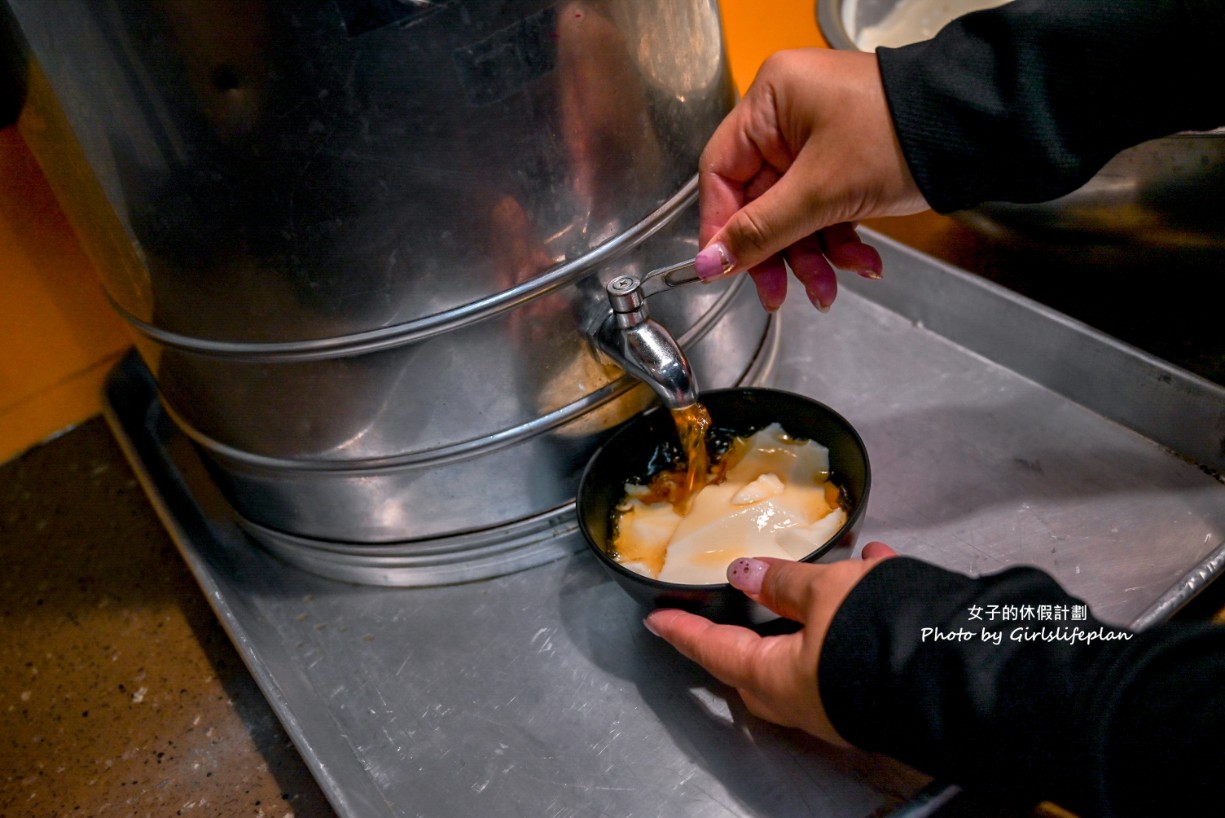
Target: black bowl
[[628, 453]]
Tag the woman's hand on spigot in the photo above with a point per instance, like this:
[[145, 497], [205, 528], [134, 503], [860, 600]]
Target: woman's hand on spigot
[[808, 152]]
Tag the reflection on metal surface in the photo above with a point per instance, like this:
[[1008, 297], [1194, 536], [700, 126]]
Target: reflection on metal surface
[[361, 243], [375, 340], [657, 27], [1182, 591]]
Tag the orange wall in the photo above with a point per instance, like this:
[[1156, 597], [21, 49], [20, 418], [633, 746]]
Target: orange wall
[[58, 335], [755, 29]]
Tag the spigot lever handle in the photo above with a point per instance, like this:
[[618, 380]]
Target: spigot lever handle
[[628, 292], [665, 278]]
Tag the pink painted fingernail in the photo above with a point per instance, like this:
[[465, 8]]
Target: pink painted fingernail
[[713, 261], [866, 261], [818, 302], [746, 573]]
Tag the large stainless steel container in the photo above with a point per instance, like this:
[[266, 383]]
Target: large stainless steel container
[[362, 243]]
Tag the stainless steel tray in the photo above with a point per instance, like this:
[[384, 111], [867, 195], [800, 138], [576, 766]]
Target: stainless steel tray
[[1000, 432]]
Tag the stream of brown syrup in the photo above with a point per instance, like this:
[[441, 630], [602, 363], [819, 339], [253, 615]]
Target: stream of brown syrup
[[692, 424]]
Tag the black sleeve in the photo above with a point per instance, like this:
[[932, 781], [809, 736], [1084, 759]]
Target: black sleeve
[[1025, 102], [1063, 707]]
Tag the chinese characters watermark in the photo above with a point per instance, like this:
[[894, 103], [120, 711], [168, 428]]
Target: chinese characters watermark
[[1051, 623]]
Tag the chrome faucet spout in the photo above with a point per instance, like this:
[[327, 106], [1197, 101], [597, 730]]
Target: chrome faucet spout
[[643, 347], [648, 352]]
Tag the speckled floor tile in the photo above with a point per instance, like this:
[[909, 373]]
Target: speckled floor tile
[[120, 694]]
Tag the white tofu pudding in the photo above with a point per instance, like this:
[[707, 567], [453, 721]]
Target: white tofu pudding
[[769, 495]]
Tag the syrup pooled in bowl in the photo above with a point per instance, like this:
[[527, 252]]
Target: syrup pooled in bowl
[[682, 478], [628, 472], [763, 494]]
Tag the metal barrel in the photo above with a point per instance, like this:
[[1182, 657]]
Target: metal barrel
[[361, 244]]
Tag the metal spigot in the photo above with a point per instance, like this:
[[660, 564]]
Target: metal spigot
[[641, 345]]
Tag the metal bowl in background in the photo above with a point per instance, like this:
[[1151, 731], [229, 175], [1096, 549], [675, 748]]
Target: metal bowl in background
[[1164, 193], [628, 454]]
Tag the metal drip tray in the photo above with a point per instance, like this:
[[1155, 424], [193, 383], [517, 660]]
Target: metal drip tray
[[1000, 433]]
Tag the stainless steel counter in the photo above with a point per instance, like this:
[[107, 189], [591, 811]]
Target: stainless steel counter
[[999, 433]]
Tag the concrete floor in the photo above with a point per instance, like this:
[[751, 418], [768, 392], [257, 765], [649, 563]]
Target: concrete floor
[[120, 693]]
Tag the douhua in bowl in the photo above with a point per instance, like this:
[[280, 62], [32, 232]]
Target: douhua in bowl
[[633, 450]]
